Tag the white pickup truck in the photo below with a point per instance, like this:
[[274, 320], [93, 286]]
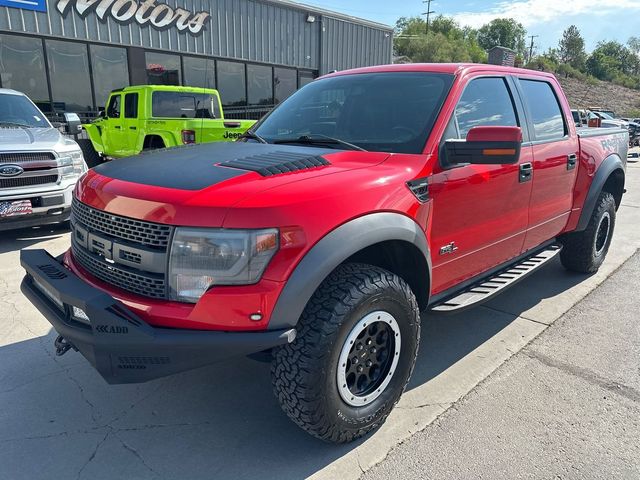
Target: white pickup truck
[[39, 166]]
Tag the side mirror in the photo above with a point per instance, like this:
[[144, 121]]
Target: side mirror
[[102, 114], [486, 146], [73, 125]]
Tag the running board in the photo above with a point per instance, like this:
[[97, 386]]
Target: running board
[[489, 287]]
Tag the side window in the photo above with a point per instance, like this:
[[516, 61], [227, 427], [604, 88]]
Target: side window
[[113, 110], [485, 102], [546, 114], [131, 105]]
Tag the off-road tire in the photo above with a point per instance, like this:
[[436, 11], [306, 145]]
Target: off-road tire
[[91, 157], [580, 252], [304, 372]]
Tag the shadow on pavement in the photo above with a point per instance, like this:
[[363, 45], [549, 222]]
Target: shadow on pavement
[[12, 240], [216, 422]]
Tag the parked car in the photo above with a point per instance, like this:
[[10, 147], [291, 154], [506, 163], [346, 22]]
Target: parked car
[[607, 121], [39, 166], [579, 118], [149, 117], [365, 198]]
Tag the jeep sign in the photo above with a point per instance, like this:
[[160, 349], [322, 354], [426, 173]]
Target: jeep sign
[[159, 15]]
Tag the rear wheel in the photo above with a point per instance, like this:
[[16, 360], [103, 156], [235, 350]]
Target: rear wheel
[[356, 348], [91, 157], [585, 251]]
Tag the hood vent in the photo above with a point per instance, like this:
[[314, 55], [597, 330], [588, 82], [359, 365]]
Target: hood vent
[[276, 163]]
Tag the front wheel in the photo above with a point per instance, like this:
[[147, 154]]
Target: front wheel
[[585, 251], [356, 348]]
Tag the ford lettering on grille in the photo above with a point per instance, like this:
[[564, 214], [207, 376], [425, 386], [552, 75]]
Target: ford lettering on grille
[[127, 253]]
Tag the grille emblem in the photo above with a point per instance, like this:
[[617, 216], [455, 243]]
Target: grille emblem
[[10, 170]]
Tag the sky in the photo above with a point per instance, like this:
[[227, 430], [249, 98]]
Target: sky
[[596, 19]]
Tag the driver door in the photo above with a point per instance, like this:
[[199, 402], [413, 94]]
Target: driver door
[[480, 212]]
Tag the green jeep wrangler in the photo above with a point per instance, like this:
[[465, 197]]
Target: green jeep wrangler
[[150, 116]]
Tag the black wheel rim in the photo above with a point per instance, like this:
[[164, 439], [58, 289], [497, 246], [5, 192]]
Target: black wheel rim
[[368, 358], [602, 234]]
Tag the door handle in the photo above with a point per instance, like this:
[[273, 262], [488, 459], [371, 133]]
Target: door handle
[[117, 127], [132, 128], [526, 172], [572, 159]]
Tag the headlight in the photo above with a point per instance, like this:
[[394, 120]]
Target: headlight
[[72, 164], [202, 257]]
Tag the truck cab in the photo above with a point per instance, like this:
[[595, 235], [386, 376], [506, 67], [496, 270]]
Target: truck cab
[[149, 117]]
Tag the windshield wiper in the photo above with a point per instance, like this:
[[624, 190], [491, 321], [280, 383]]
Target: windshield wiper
[[14, 124], [318, 139], [252, 136]]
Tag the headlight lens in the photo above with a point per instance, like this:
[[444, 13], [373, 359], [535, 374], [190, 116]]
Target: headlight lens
[[202, 257], [72, 164]]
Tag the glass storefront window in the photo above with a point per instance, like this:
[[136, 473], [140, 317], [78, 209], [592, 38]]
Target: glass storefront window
[[231, 83], [110, 70], [260, 85], [305, 78], [285, 80], [69, 76], [199, 72], [22, 67], [163, 69]]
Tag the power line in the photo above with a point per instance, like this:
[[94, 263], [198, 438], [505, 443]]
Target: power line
[[428, 12]]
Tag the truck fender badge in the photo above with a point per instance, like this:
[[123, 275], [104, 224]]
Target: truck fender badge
[[448, 249], [10, 170]]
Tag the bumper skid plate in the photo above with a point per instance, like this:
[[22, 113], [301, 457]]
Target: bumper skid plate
[[122, 347]]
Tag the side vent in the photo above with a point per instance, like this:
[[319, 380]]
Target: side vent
[[277, 163], [420, 188], [52, 272]]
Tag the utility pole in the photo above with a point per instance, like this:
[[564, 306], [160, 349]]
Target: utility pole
[[531, 47], [428, 12]]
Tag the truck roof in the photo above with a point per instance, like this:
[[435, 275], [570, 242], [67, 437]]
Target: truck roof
[[451, 68], [166, 88]]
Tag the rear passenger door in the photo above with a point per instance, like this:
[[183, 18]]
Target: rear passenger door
[[555, 161], [480, 212], [130, 124]]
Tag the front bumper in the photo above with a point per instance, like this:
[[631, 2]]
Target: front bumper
[[122, 347], [52, 205]]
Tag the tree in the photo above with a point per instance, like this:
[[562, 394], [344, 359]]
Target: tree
[[446, 41], [503, 32], [571, 48]]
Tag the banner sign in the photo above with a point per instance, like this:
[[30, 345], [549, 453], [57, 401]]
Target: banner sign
[[158, 15], [37, 5]]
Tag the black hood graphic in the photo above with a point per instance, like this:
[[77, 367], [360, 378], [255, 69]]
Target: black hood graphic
[[195, 167]]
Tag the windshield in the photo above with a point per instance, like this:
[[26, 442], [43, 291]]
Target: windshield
[[386, 112], [605, 115], [16, 110]]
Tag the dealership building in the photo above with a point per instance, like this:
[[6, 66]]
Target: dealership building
[[67, 55]]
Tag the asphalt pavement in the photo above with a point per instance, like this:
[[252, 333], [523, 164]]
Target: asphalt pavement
[[59, 419], [567, 406]]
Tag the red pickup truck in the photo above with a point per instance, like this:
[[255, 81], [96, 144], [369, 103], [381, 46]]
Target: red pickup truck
[[367, 197]]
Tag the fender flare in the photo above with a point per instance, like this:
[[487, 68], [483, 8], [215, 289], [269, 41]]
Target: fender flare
[[609, 165], [333, 249], [93, 132]]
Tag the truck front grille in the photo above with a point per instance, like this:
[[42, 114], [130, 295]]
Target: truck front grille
[[150, 234], [20, 181], [26, 157], [40, 168], [145, 284], [98, 235]]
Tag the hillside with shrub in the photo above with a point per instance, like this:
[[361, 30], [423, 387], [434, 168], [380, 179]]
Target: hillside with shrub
[[609, 76]]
